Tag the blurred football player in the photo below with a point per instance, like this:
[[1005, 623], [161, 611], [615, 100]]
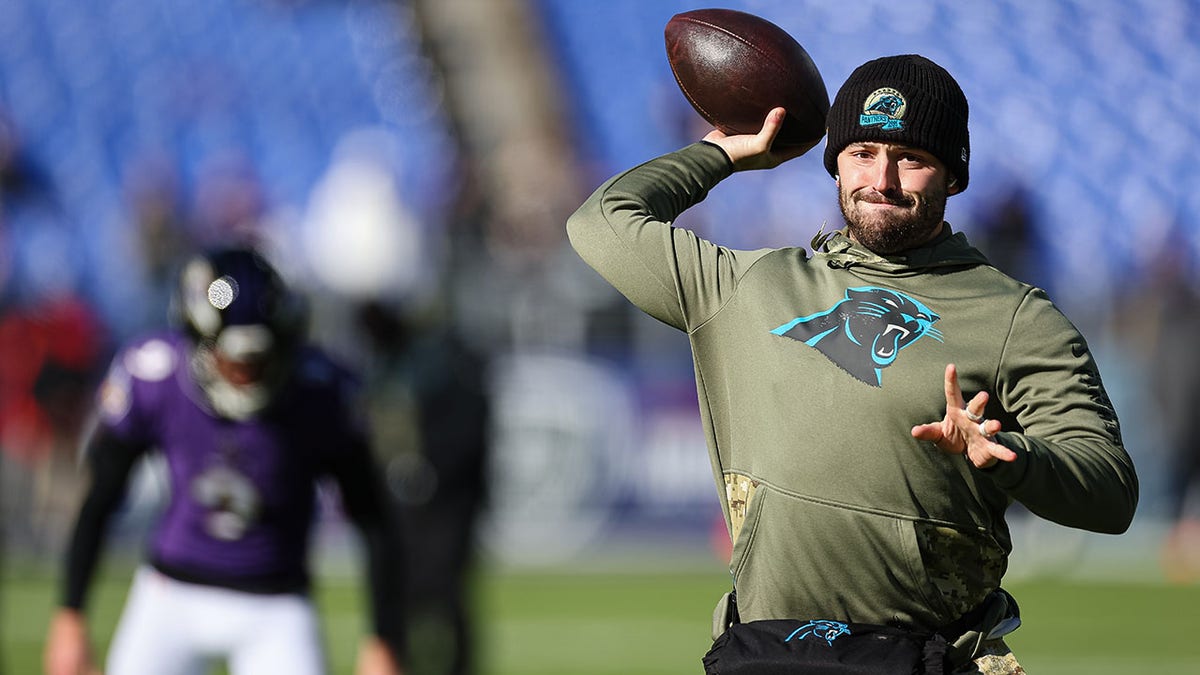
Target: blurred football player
[[249, 417]]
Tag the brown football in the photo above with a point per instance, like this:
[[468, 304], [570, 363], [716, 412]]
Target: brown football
[[734, 67]]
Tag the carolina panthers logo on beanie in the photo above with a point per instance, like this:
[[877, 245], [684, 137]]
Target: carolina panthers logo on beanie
[[884, 107], [864, 332]]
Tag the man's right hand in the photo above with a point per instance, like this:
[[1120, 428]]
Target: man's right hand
[[754, 151], [68, 651]]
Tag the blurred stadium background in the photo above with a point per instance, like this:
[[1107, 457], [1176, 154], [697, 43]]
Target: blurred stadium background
[[424, 154]]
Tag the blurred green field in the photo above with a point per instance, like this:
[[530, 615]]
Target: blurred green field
[[657, 622]]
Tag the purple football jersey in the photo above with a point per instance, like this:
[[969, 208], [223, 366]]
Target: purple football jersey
[[242, 493]]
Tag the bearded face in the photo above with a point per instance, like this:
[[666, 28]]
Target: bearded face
[[891, 200], [892, 222]]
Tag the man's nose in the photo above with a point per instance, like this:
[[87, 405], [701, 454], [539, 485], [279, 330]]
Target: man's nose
[[885, 176]]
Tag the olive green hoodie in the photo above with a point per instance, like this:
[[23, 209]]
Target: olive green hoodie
[[811, 372]]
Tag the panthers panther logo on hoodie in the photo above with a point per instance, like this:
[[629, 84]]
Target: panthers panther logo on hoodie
[[864, 332]]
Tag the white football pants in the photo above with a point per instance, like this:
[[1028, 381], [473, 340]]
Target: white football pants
[[173, 628]]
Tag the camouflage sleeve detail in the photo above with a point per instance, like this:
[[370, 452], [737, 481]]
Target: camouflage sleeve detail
[[739, 490], [996, 659]]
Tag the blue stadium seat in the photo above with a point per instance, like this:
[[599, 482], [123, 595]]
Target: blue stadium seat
[[90, 86]]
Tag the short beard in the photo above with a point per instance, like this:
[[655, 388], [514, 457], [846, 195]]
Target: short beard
[[887, 234]]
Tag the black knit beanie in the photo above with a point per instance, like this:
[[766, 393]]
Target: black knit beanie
[[908, 100]]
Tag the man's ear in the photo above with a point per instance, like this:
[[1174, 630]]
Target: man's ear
[[952, 185]]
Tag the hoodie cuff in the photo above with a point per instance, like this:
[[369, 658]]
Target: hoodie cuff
[[1008, 475], [728, 161]]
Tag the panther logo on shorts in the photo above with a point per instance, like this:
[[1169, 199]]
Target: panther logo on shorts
[[828, 630]]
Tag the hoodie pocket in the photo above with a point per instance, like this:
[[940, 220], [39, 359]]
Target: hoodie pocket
[[961, 566], [797, 557]]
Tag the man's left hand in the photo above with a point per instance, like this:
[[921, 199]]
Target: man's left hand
[[964, 431]]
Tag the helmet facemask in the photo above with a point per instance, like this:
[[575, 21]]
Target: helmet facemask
[[246, 326]]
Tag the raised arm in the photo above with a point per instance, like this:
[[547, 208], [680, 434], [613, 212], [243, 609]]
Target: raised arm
[[624, 230]]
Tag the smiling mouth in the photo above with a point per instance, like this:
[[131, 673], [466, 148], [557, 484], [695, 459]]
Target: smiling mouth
[[876, 199]]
